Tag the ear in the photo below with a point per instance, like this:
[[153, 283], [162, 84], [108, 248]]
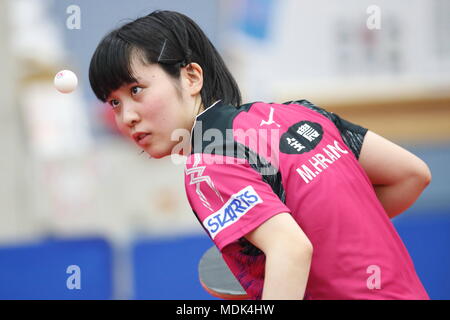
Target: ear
[[192, 75]]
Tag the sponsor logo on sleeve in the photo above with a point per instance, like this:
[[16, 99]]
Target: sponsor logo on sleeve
[[237, 206]]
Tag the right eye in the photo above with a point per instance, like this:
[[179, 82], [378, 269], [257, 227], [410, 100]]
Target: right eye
[[114, 103]]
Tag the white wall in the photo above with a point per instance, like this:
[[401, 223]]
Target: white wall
[[306, 50]]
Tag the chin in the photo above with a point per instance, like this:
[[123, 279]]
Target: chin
[[158, 154]]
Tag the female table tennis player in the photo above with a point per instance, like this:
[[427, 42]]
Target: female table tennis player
[[297, 199]]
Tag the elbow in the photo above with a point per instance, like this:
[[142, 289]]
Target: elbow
[[309, 249], [423, 175], [418, 174], [299, 256], [299, 250], [427, 177], [305, 251], [302, 248]]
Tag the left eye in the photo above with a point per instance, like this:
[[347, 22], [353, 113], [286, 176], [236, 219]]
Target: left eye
[[136, 90]]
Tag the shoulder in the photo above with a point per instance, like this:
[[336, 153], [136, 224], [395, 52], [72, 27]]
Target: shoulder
[[311, 106], [214, 124], [220, 116]]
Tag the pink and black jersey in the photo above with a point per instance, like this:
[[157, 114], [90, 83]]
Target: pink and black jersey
[[253, 162]]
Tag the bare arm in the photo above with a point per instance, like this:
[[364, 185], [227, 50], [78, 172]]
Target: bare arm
[[288, 257], [398, 176]]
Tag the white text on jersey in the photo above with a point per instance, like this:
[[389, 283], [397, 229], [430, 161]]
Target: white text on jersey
[[319, 162]]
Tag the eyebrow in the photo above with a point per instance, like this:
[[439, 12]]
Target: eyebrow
[[138, 80], [129, 85]]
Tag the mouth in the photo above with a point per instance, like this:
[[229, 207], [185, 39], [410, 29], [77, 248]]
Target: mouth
[[141, 137]]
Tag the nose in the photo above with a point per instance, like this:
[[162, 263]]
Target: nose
[[130, 116]]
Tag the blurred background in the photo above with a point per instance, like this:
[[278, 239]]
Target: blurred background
[[84, 216]]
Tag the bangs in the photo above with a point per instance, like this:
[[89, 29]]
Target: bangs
[[111, 66]]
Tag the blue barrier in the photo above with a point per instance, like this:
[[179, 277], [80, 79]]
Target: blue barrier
[[427, 238], [41, 270], [167, 269]]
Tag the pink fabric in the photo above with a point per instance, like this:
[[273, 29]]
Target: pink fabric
[[357, 251]]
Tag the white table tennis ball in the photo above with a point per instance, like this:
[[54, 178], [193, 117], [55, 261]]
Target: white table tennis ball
[[65, 81]]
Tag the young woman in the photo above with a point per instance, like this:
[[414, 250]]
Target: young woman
[[297, 199]]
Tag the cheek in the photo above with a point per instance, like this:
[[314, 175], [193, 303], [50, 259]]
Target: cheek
[[152, 113], [160, 113], [121, 127]]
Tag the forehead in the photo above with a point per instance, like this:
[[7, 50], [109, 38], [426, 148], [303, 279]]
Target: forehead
[[151, 72], [142, 72]]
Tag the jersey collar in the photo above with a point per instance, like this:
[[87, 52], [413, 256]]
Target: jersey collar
[[200, 116]]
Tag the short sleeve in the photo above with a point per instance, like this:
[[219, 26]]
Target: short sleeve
[[352, 134], [229, 197]]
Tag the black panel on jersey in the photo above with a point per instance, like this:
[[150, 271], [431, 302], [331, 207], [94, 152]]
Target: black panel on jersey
[[219, 116], [352, 134]]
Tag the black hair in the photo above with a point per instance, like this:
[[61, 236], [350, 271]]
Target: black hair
[[170, 39]]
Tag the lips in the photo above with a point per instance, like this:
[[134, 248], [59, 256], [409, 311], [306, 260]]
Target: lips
[[139, 137]]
